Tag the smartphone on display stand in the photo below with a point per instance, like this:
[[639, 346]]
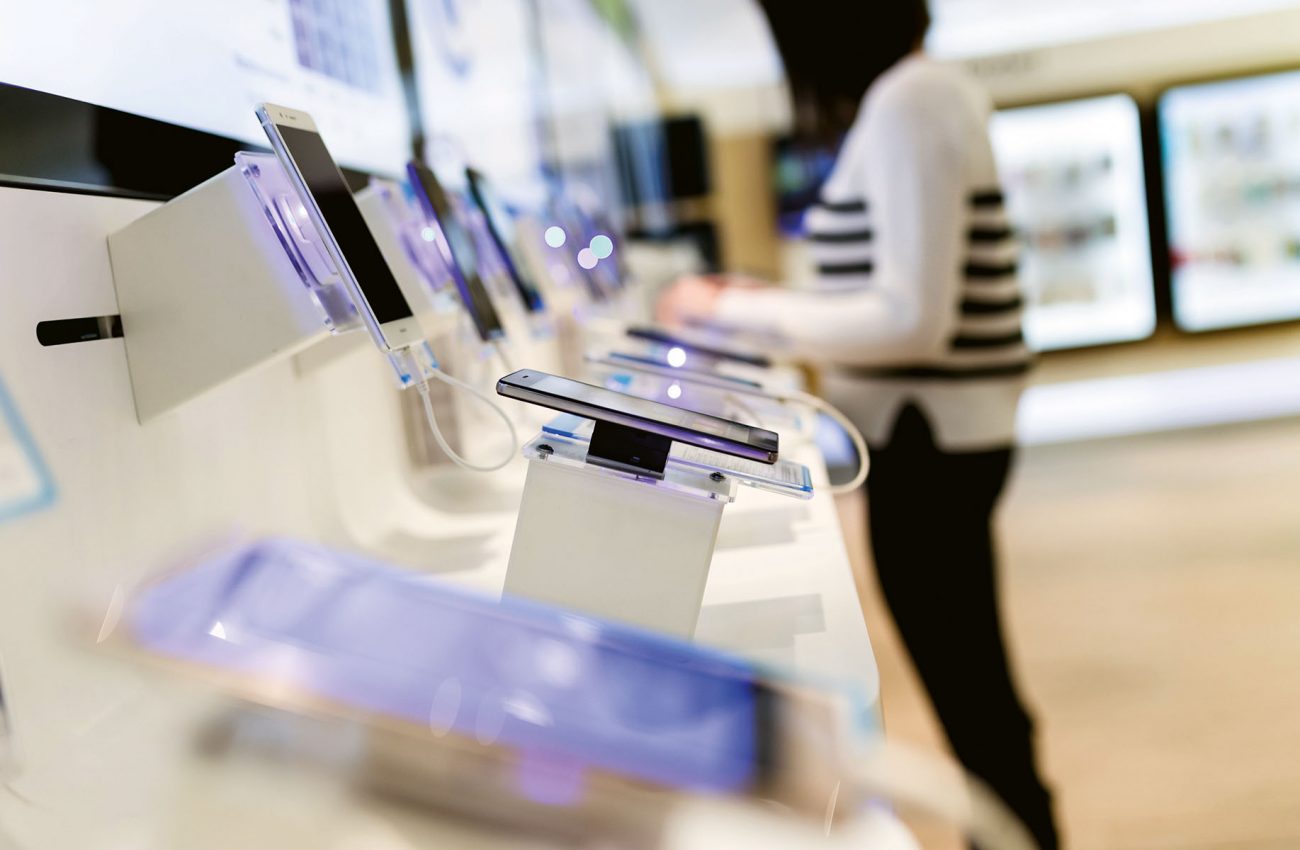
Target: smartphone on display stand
[[501, 226], [346, 238], [457, 247], [662, 337], [651, 417]]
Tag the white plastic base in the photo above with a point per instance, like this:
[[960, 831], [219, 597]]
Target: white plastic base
[[206, 293], [609, 544]]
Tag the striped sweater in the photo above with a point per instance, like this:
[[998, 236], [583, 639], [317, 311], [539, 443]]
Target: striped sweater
[[916, 296]]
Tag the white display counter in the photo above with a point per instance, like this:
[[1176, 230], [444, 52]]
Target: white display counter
[[312, 448]]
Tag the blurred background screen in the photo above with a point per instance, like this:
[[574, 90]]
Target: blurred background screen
[[1232, 189], [1076, 195], [479, 85]]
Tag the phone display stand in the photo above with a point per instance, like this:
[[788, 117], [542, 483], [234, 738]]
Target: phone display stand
[[784, 478], [406, 241], [229, 276], [615, 531], [219, 280]]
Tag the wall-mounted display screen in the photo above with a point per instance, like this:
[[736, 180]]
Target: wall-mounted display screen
[[595, 76], [207, 65], [1232, 195], [478, 80], [1076, 197]]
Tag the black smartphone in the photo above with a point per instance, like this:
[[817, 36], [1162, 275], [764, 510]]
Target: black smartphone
[[664, 338], [457, 247], [675, 423], [502, 227], [328, 203]]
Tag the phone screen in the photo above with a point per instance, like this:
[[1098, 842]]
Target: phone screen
[[502, 227], [464, 258], [382, 640], [343, 219], [686, 423]]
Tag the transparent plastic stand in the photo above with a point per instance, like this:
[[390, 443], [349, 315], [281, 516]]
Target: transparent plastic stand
[[225, 278], [220, 280], [612, 524]]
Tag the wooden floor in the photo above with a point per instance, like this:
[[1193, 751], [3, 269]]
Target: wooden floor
[[1151, 588]]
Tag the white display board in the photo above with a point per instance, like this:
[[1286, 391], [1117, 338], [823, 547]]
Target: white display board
[[1232, 193], [1076, 196], [207, 65]]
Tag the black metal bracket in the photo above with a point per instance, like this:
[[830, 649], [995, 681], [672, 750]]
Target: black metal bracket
[[628, 450], [64, 331]]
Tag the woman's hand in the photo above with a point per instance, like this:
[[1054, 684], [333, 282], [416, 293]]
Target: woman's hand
[[694, 297]]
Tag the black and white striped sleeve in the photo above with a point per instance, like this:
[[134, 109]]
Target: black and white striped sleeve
[[899, 242]]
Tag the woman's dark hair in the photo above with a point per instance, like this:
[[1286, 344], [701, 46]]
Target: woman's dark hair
[[832, 54]]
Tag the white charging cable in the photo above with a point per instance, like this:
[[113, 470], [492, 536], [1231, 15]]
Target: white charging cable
[[422, 386], [818, 404], [855, 436]]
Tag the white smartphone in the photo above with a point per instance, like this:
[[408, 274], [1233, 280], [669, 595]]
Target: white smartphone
[[337, 218]]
